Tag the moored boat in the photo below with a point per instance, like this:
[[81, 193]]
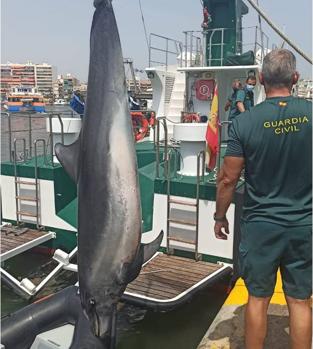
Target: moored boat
[[23, 98]]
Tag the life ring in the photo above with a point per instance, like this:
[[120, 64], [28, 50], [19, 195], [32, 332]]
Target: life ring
[[140, 125], [190, 118], [152, 119]]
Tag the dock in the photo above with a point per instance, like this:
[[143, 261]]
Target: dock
[[227, 329], [16, 240], [168, 281]]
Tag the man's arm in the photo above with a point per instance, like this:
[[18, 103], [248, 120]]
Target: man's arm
[[240, 107], [240, 98], [227, 105], [227, 181]]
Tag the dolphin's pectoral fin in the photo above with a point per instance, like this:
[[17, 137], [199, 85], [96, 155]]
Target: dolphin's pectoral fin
[[145, 253], [68, 155]]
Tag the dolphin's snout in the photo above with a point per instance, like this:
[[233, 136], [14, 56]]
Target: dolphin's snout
[[101, 326], [100, 321]]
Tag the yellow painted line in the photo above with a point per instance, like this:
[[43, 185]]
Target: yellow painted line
[[239, 294]]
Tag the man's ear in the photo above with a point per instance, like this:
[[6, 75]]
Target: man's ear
[[295, 77], [261, 79]]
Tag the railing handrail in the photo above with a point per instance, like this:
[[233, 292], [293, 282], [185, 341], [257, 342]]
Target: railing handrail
[[166, 167], [51, 116], [178, 47]]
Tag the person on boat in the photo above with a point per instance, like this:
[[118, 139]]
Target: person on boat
[[133, 103], [248, 102], [273, 141], [235, 101], [242, 98]]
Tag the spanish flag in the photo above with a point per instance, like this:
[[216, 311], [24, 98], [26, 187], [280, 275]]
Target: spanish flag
[[212, 132]]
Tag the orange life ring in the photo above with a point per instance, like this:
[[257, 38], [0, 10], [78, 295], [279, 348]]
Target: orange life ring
[[190, 117], [152, 119], [140, 125]]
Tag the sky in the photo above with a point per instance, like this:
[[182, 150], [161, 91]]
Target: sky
[[57, 31]]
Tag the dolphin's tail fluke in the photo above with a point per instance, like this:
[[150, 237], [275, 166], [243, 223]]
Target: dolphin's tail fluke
[[97, 3]]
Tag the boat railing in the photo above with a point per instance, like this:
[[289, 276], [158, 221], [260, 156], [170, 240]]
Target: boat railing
[[161, 121], [37, 195], [217, 41], [260, 43], [51, 117], [193, 49], [162, 49], [31, 133], [170, 200], [200, 178]]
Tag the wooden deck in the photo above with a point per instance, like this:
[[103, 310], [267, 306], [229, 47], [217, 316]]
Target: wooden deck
[[13, 242], [167, 278]]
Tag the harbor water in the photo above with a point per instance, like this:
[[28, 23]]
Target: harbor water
[[182, 328]]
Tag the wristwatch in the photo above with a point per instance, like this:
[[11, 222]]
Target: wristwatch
[[219, 219]]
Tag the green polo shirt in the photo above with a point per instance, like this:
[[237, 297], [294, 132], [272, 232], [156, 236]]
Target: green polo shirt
[[244, 96], [275, 139], [249, 99], [237, 96]]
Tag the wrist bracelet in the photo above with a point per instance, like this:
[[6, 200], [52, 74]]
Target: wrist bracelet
[[219, 219]]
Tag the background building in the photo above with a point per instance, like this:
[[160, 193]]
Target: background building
[[64, 86], [44, 79], [40, 76]]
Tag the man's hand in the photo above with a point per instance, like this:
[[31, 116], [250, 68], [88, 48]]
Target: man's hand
[[219, 234]]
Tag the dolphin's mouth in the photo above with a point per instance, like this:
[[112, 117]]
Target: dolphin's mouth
[[96, 324], [93, 317]]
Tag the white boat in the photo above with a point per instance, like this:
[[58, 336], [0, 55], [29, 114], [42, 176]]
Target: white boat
[[177, 193], [60, 101]]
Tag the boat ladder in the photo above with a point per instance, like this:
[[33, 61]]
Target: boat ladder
[[171, 238], [27, 192]]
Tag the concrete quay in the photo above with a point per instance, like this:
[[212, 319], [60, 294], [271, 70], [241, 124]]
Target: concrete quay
[[227, 329]]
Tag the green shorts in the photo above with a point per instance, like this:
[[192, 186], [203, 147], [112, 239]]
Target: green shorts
[[265, 247]]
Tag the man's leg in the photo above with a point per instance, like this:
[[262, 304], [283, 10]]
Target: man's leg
[[256, 322], [300, 320]]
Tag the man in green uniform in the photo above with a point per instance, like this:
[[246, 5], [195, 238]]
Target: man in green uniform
[[248, 102], [273, 141], [235, 101], [241, 99]]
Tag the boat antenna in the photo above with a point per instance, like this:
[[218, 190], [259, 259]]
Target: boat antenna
[[279, 32], [144, 24]]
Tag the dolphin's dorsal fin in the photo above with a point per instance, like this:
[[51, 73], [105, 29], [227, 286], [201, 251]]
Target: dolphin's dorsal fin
[[146, 252], [68, 155]]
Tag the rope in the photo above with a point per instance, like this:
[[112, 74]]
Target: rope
[[279, 32], [144, 25]]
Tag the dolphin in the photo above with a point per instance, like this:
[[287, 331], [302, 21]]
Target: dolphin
[[103, 164]]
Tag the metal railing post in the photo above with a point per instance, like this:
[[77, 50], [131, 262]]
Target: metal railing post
[[30, 134], [157, 155], [10, 135], [191, 49], [36, 176], [221, 124], [18, 222], [186, 48], [168, 191], [149, 53], [200, 156], [222, 46]]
